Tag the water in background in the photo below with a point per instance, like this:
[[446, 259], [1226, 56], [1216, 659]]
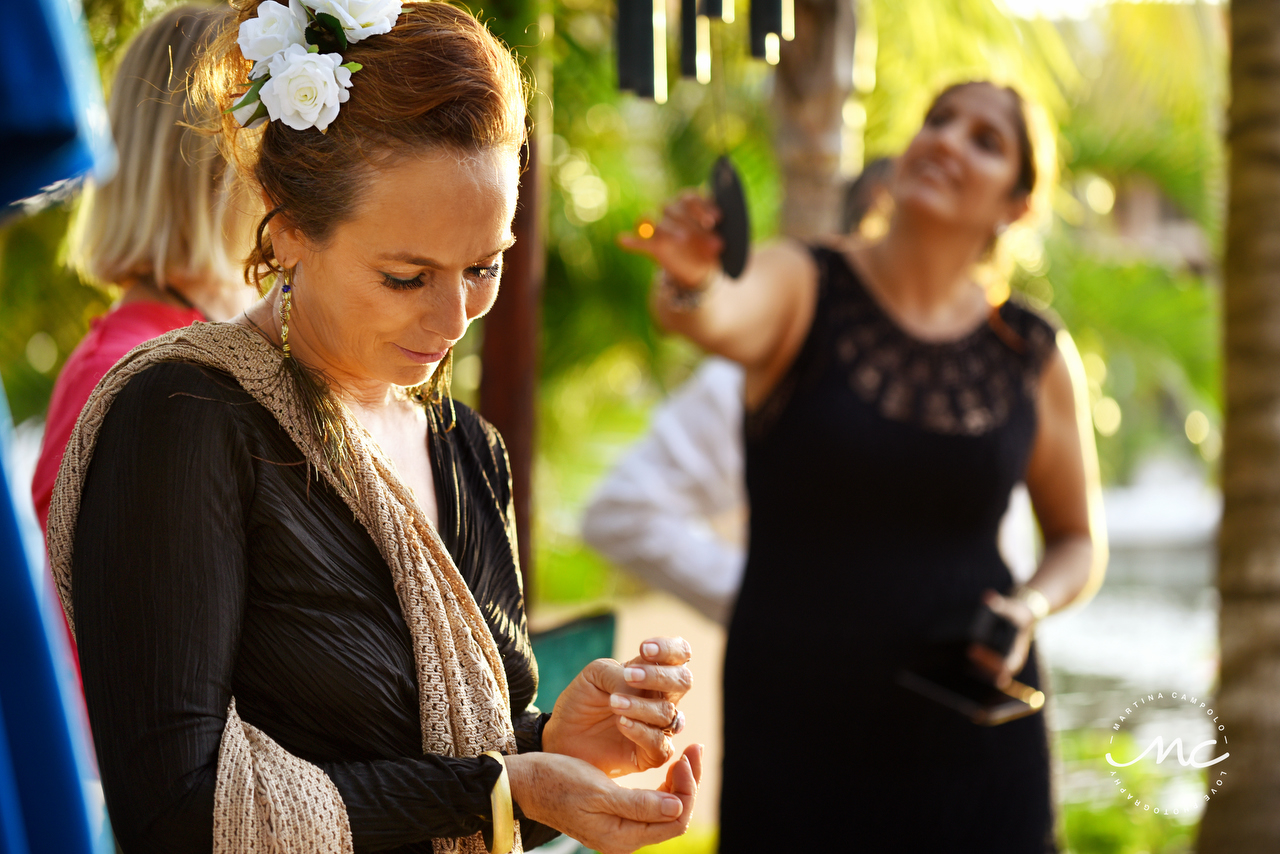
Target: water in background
[[1152, 628]]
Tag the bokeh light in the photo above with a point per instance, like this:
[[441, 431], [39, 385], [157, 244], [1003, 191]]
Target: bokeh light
[[1107, 416]]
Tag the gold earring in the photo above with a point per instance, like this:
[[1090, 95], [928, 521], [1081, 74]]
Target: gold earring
[[286, 305]]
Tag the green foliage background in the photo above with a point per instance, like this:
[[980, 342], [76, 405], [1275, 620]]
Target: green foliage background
[[1135, 92]]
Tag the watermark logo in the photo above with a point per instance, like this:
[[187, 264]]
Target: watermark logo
[[1161, 745], [1157, 744]]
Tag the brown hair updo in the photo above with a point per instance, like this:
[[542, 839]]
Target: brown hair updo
[[439, 79]]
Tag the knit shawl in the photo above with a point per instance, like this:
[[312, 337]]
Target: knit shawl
[[268, 800]]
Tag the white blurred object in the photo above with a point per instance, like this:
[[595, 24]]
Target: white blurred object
[[1168, 505], [23, 455], [673, 512], [1019, 541]]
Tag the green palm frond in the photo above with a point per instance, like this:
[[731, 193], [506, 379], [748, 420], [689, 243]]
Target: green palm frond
[[1154, 101], [923, 47]]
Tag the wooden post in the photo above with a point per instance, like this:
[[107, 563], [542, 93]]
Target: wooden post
[[509, 353], [813, 80], [1241, 815]]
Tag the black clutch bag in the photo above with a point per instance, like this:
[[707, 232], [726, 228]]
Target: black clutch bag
[[943, 673]]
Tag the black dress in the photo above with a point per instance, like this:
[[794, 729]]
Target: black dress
[[878, 472], [208, 564]]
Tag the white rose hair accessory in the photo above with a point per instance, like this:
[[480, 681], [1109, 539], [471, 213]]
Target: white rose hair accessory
[[304, 89], [298, 75], [361, 18]]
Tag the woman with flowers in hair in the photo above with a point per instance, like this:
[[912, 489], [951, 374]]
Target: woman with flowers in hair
[[288, 556]]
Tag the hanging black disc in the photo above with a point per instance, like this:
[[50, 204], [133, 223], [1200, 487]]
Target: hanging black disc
[[734, 228]]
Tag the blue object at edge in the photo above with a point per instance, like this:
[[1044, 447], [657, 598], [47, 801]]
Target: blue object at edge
[[43, 809], [53, 124]]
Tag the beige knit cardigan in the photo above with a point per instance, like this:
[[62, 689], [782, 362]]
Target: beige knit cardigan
[[268, 800]]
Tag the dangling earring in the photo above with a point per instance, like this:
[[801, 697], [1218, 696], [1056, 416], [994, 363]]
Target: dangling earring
[[1001, 228], [286, 305]]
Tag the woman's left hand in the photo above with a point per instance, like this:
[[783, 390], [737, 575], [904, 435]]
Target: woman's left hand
[[1001, 669], [620, 718]]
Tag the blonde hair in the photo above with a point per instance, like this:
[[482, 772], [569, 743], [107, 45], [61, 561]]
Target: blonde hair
[[169, 211]]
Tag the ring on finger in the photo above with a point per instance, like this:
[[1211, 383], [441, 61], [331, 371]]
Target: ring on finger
[[676, 726]]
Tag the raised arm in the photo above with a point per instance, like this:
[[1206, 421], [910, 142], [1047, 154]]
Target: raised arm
[[758, 320]]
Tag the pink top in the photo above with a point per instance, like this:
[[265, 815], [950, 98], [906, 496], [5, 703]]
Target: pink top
[[110, 337]]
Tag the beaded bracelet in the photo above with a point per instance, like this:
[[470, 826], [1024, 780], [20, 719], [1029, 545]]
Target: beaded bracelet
[[681, 299]]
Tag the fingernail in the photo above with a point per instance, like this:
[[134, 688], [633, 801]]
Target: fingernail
[[619, 701], [625, 721], [672, 807], [633, 674], [649, 649]]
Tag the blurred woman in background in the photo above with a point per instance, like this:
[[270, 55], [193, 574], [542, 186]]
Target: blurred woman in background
[[169, 230], [890, 410]]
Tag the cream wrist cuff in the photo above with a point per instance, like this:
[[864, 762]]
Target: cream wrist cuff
[[504, 819]]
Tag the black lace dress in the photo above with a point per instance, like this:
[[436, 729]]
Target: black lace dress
[[878, 472]]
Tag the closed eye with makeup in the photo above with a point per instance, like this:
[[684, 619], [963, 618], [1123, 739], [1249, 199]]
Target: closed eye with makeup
[[390, 292], [479, 274]]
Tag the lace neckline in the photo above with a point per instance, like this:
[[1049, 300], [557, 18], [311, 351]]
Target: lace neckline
[[965, 386], [858, 279], [968, 385]]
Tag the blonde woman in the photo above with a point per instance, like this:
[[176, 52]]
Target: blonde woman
[[168, 229]]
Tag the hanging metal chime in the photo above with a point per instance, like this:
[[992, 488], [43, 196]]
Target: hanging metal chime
[[642, 69], [642, 39], [635, 48]]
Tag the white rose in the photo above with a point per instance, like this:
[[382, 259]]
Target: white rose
[[245, 113], [276, 27], [305, 89], [360, 18]]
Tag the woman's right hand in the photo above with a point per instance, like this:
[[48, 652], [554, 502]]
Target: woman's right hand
[[616, 716], [579, 800], [684, 242]]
